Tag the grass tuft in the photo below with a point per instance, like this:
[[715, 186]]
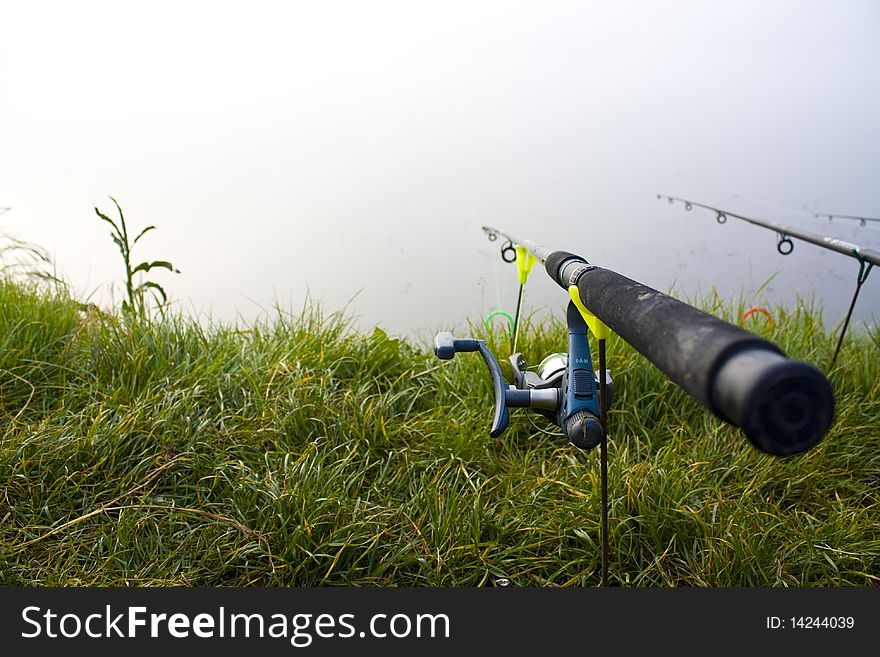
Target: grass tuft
[[302, 453]]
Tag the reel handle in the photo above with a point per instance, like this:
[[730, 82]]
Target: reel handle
[[446, 346]]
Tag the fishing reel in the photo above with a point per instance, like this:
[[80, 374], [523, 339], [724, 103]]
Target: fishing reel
[[565, 389]]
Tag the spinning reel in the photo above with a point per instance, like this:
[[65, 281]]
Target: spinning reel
[[565, 389]]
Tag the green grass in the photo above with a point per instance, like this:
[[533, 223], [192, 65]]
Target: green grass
[[301, 453]]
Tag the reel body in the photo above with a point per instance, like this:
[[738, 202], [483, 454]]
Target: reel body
[[565, 390]]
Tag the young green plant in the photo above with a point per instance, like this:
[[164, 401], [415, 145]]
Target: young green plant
[[134, 305]]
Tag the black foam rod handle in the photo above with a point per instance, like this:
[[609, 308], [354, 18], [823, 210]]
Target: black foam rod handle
[[783, 406]]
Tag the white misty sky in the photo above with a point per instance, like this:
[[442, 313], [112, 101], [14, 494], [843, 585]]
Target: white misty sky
[[351, 150]]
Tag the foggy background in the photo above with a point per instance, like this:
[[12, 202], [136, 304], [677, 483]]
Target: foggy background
[[350, 151]]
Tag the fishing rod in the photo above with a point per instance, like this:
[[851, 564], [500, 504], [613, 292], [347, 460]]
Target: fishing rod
[[863, 221], [866, 258], [783, 406]]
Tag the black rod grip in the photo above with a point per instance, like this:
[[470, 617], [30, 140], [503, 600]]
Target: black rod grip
[[783, 406]]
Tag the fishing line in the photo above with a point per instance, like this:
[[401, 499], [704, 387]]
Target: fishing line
[[539, 429]]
